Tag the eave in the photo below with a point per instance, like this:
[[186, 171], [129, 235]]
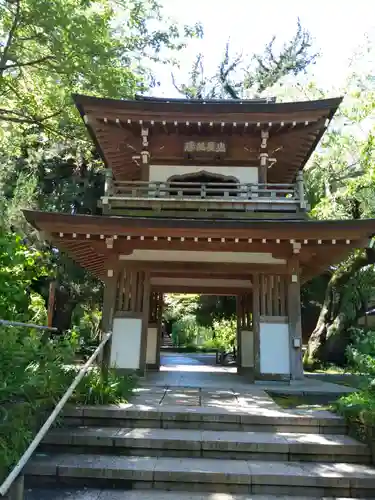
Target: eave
[[93, 240], [295, 129]]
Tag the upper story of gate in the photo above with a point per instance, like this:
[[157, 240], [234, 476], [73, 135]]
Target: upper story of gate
[[212, 159]]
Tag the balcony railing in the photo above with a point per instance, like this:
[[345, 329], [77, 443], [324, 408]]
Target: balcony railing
[[216, 197]]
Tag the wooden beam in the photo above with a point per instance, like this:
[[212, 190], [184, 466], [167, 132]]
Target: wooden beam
[[206, 267], [294, 319], [200, 290]]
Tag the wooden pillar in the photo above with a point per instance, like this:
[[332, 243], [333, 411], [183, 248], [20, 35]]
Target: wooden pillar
[[130, 322], [160, 306], [145, 156], [109, 303], [263, 157], [294, 318], [300, 191], [245, 336], [238, 332], [146, 289], [256, 324], [153, 332]]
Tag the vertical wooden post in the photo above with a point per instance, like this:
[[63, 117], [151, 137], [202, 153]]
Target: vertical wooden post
[[300, 190], [256, 324], [145, 155], [160, 305], [263, 170], [109, 301], [108, 184], [263, 158], [144, 282], [239, 313], [294, 318]]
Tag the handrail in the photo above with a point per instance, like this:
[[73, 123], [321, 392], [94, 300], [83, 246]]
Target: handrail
[[28, 325], [46, 426]]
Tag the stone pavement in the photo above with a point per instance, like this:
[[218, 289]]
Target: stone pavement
[[200, 371]]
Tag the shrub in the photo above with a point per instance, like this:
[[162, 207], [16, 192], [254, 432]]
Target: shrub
[[225, 331], [358, 408], [187, 333], [34, 374]]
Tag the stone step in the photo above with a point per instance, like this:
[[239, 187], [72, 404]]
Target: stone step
[[206, 418], [204, 475], [111, 494], [208, 444]]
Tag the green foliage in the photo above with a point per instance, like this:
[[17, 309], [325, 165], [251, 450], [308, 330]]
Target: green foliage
[[186, 332], [361, 354], [180, 306], [221, 335], [34, 375], [19, 267], [52, 49], [359, 407], [215, 307], [225, 333]]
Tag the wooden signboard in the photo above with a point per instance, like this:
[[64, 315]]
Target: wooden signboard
[[205, 148]]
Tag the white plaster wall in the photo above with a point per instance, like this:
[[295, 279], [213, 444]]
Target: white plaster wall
[[152, 339], [247, 348], [274, 348], [161, 173], [126, 343]]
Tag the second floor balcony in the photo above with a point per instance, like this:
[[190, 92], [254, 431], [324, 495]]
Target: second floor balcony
[[210, 199]]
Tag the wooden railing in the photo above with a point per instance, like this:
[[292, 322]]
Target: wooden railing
[[194, 194], [181, 190]]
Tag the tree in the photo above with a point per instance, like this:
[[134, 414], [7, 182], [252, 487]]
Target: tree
[[250, 75], [50, 50], [351, 285]]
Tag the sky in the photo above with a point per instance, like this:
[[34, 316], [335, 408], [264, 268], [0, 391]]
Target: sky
[[337, 26]]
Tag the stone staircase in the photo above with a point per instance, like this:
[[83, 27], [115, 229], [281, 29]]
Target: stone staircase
[[166, 342], [189, 448]]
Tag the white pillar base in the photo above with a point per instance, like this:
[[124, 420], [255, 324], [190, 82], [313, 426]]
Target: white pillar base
[[126, 344], [152, 346]]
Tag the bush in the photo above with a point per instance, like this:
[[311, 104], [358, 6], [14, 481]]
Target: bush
[[34, 374], [187, 333], [224, 335], [358, 408]]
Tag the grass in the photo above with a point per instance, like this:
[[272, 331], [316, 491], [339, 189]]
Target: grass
[[303, 401]]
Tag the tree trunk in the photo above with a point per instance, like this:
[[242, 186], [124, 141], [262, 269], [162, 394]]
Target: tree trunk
[[63, 306], [63, 310], [329, 340]]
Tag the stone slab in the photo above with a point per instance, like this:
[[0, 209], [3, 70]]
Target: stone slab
[[341, 476], [223, 441], [97, 494]]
